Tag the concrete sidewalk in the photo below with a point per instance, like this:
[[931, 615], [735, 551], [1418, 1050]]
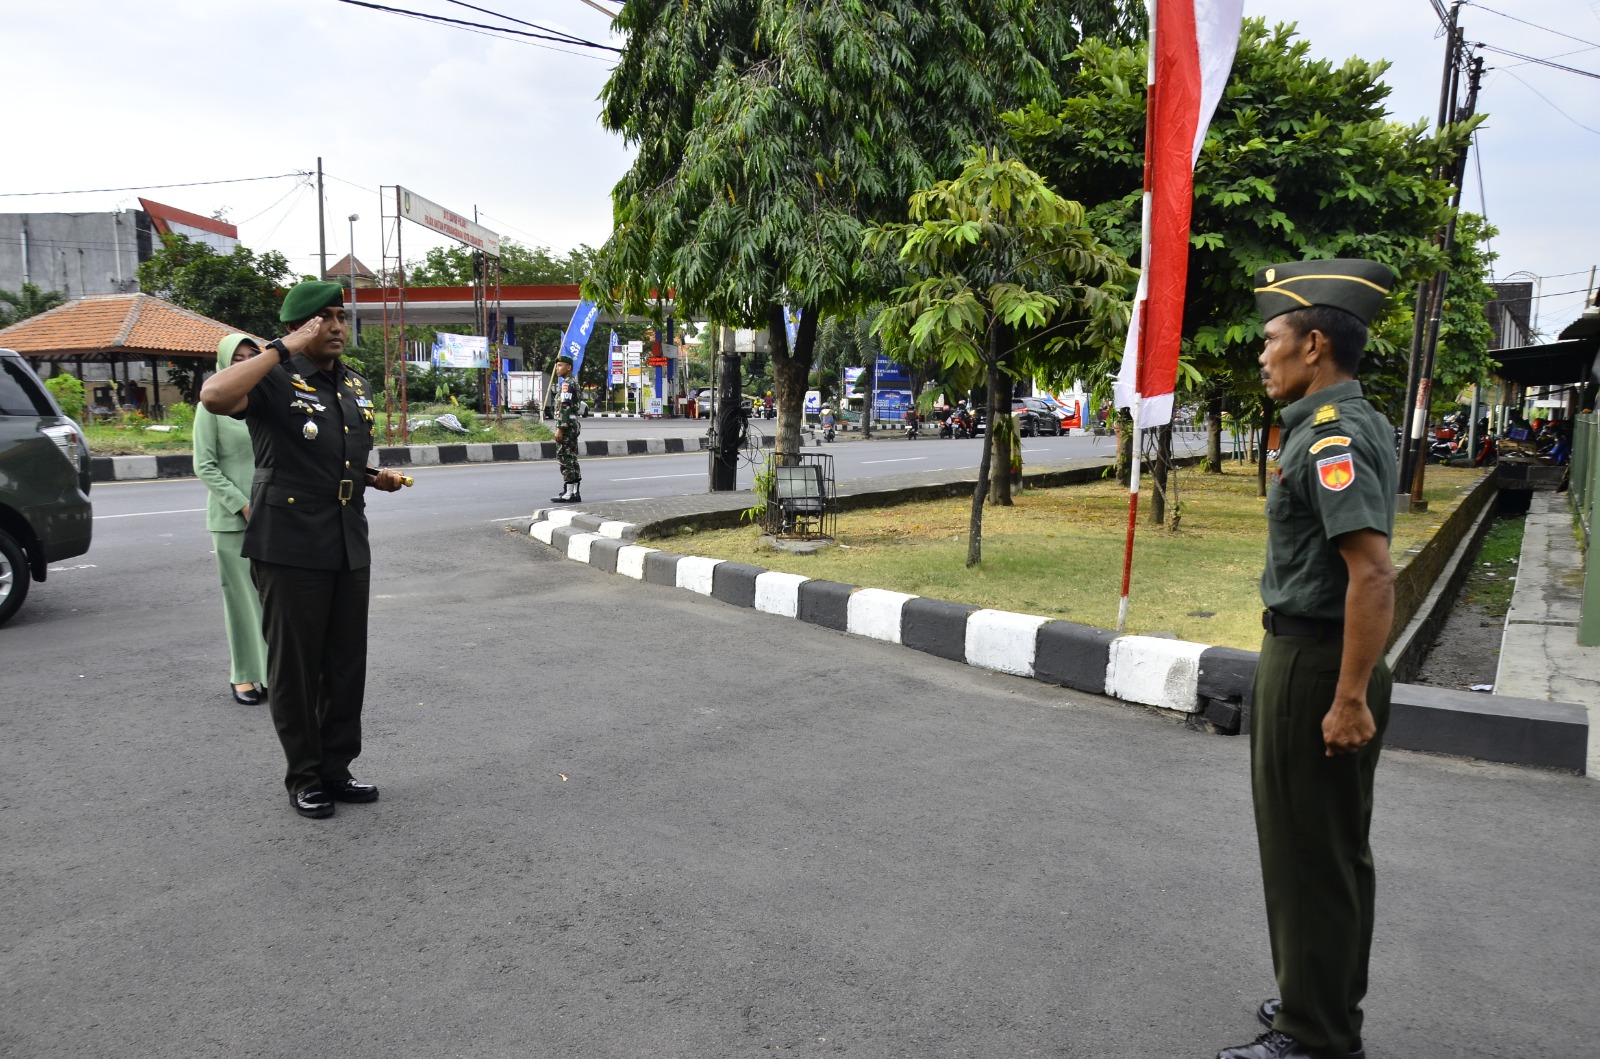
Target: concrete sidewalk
[[1540, 657]]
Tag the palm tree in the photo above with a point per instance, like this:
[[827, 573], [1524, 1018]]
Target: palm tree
[[30, 301]]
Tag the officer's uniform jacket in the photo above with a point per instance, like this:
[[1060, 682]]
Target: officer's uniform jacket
[[1336, 474], [312, 433]]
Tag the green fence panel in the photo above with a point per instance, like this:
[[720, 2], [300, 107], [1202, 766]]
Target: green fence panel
[[1586, 495]]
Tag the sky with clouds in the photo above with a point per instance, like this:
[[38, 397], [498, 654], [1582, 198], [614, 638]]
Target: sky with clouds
[[115, 95]]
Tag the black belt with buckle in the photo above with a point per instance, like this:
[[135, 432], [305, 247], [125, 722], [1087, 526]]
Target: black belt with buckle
[[1284, 625]]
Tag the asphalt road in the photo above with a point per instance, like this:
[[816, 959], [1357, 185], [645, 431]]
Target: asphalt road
[[620, 820]]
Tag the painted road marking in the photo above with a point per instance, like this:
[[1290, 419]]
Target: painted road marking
[[136, 514], [652, 477], [904, 459]]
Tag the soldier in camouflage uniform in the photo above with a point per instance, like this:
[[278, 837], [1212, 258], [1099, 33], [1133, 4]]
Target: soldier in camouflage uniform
[[564, 396]]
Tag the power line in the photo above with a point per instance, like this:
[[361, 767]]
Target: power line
[[479, 25], [1535, 25], [1547, 99], [493, 34], [272, 207], [518, 21], [1536, 60], [152, 187]]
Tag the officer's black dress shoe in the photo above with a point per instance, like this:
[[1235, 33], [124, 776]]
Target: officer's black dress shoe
[[313, 802], [1268, 1011], [1275, 1045], [249, 697], [352, 791]]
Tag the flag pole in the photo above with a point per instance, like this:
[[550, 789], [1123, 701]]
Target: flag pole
[[1136, 350]]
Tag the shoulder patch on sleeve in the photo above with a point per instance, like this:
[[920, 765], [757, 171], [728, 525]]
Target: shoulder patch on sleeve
[[1329, 442], [1336, 472], [1326, 414]]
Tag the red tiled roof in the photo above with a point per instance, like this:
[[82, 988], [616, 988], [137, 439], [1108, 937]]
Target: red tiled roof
[[340, 269], [106, 326]]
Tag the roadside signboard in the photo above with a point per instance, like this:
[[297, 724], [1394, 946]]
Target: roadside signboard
[[460, 351], [430, 214]]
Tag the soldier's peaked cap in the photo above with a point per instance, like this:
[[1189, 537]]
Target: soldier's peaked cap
[[1354, 284]]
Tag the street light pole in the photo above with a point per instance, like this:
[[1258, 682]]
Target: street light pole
[[355, 321]]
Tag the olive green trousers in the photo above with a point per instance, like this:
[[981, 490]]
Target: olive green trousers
[[1313, 818], [241, 611]]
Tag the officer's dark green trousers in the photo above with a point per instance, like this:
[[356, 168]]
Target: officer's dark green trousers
[[315, 624], [1313, 817]]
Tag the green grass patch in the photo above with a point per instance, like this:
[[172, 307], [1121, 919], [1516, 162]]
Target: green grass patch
[[1058, 552], [1491, 582]]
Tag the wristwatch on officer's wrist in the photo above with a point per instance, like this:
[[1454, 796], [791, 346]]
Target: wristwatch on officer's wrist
[[283, 350]]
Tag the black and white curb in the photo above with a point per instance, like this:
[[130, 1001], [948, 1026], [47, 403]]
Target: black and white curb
[[1148, 670], [1213, 684], [142, 468]]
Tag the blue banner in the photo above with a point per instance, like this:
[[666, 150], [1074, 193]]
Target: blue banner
[[576, 340]]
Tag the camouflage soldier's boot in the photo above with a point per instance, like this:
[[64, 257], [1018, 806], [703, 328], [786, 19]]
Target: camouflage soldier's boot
[[564, 496]]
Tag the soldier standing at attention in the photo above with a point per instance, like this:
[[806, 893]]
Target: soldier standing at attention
[[310, 420], [567, 429], [1321, 698]]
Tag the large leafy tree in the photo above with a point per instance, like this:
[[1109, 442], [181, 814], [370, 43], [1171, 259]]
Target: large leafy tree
[[999, 263], [1300, 161], [241, 288], [769, 133]]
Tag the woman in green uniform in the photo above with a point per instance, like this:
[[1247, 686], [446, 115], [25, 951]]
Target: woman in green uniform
[[223, 460]]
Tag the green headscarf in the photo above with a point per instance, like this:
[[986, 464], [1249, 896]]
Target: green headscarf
[[230, 345]]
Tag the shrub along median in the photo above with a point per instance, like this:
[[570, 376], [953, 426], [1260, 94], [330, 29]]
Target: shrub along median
[[1058, 553]]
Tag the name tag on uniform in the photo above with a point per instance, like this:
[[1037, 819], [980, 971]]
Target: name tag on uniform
[[363, 402]]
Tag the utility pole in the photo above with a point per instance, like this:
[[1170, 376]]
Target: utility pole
[[322, 231], [1410, 427], [1425, 385], [726, 432]]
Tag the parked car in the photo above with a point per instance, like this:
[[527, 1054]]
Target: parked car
[[45, 515], [1036, 416]]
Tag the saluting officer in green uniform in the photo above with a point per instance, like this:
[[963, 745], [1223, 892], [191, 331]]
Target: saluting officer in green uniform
[[310, 420], [1321, 699], [565, 397]]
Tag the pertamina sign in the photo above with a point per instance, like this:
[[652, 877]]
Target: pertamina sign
[[430, 214]]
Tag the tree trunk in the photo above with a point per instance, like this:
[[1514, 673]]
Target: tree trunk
[[1159, 472], [1002, 428], [1267, 409], [791, 369], [975, 528], [1124, 429], [1214, 431]]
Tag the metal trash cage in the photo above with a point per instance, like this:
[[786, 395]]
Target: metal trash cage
[[801, 502]]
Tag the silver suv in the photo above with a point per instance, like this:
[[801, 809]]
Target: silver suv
[[45, 515]]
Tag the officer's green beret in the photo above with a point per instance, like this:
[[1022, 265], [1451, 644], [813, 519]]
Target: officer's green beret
[[308, 298], [563, 356], [1353, 284]]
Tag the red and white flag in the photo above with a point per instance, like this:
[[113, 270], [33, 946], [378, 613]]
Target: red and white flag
[[1192, 44]]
